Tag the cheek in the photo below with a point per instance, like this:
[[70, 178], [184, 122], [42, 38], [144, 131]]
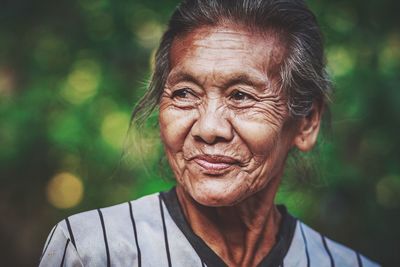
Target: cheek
[[259, 137], [174, 127], [261, 127]]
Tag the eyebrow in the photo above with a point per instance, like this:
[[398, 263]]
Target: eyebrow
[[231, 80], [244, 79], [183, 77]]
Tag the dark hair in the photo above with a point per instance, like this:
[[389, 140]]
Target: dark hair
[[302, 74]]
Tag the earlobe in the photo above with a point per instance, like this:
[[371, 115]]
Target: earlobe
[[308, 129]]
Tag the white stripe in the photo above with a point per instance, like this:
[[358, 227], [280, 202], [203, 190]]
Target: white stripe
[[342, 255], [318, 255], [150, 231], [55, 250], [89, 238], [120, 236], [296, 255]]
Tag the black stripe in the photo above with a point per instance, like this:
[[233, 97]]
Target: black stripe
[[165, 232], [305, 244], [359, 260], [71, 234], [134, 231], [202, 264], [48, 242], [328, 251], [105, 237], [65, 252]]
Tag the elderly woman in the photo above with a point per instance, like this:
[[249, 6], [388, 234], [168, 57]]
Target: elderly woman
[[238, 84]]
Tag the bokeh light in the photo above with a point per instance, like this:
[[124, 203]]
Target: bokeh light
[[149, 33], [114, 128], [340, 60], [83, 81], [64, 190]]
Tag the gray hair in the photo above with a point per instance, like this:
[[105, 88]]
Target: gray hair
[[302, 74]]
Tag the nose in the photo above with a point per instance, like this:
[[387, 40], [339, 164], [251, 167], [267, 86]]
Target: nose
[[212, 126]]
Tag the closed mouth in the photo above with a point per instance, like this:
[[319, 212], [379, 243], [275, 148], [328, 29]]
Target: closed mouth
[[215, 163]]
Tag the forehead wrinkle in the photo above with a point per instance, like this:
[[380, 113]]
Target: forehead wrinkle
[[224, 81], [221, 76], [266, 44], [220, 44]]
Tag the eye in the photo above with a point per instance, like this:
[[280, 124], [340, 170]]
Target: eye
[[181, 93], [240, 96], [184, 97]]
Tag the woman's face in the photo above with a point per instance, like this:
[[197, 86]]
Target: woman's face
[[224, 122]]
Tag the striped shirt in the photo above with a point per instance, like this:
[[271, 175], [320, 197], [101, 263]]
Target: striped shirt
[[152, 231]]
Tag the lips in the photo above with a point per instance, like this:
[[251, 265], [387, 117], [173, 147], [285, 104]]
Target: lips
[[214, 164]]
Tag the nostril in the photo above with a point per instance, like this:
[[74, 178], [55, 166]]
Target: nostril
[[219, 139], [210, 141]]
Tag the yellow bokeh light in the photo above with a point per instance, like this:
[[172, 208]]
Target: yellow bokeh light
[[82, 83], [114, 127], [149, 34], [340, 61], [64, 190]]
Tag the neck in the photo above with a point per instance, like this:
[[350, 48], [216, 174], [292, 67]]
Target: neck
[[241, 235]]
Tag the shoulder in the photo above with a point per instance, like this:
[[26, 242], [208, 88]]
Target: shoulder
[[311, 248], [59, 249], [115, 217], [87, 226], [93, 235]]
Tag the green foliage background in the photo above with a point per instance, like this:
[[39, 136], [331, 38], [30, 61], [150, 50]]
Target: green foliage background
[[71, 71]]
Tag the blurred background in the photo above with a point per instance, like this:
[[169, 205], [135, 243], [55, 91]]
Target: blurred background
[[72, 70]]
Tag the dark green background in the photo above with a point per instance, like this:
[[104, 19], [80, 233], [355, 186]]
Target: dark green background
[[46, 127]]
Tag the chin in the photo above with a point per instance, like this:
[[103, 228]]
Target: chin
[[217, 194]]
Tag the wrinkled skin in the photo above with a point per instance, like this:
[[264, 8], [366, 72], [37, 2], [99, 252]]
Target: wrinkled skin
[[221, 100], [227, 132]]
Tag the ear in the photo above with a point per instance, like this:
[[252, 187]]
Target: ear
[[308, 129]]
